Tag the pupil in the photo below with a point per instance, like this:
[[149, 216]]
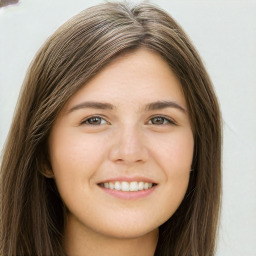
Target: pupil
[[158, 120], [94, 120]]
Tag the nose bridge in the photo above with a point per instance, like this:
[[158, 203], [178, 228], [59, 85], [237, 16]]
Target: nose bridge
[[129, 145]]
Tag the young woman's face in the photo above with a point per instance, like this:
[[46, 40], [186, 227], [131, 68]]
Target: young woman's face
[[122, 147]]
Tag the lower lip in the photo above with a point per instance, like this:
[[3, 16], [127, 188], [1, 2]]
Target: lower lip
[[129, 195]]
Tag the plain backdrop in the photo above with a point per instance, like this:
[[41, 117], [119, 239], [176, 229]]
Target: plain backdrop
[[224, 33]]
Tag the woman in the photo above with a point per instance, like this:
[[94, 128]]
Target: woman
[[115, 143]]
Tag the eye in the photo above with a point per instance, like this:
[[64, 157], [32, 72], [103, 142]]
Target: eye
[[160, 120], [94, 120]]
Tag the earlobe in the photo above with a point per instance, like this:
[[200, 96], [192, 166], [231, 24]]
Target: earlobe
[[48, 174], [45, 167]]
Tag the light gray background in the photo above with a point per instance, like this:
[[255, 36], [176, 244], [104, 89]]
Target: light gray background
[[224, 32]]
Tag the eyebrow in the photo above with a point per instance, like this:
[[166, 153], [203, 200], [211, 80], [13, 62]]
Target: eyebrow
[[91, 104], [164, 104], [107, 106]]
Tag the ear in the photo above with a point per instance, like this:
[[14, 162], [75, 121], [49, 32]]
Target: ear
[[46, 171], [48, 174]]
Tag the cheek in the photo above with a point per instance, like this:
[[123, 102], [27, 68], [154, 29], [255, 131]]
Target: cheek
[[175, 161], [75, 158], [71, 152], [176, 153]]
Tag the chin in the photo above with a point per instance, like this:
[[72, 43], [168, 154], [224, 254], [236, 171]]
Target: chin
[[129, 233], [129, 229]]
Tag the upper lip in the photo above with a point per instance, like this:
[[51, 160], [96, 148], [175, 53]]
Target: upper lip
[[128, 179]]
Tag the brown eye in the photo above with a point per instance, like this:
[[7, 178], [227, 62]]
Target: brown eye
[[159, 120], [95, 120]]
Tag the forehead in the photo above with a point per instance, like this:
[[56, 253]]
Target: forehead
[[134, 78]]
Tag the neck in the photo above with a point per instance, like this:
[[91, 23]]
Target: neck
[[87, 242]]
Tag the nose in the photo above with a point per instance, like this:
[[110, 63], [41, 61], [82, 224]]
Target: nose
[[129, 147]]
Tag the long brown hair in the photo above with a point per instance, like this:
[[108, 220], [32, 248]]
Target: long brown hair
[[32, 218]]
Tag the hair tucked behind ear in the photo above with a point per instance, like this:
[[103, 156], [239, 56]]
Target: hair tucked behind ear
[[32, 213]]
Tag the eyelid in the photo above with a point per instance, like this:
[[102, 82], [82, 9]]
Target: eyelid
[[170, 120], [84, 120]]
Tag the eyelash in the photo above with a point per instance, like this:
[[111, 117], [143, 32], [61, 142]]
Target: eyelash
[[87, 120], [166, 121]]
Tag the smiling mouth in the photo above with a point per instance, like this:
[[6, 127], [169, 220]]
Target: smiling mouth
[[132, 186]]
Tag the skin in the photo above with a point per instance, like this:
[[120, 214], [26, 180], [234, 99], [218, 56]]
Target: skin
[[123, 141]]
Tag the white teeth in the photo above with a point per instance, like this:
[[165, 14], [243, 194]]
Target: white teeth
[[118, 185], [134, 186], [127, 186], [111, 185], [141, 185]]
